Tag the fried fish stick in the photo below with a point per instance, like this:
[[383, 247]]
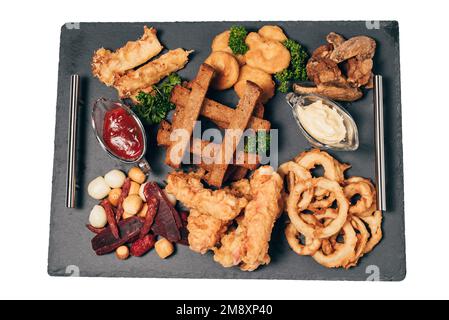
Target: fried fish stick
[[216, 111], [108, 66], [151, 73]]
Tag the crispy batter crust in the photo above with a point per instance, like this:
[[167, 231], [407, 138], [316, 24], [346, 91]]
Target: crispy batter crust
[[188, 189], [247, 246], [109, 66], [151, 73]]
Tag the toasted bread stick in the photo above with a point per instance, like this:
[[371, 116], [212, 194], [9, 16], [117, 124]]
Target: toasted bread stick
[[240, 172], [197, 147], [184, 118], [234, 132], [215, 111]]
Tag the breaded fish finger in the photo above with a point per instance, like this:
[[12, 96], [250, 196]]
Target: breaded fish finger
[[108, 66], [151, 73]]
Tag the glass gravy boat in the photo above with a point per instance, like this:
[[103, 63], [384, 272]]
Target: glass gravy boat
[[100, 108]]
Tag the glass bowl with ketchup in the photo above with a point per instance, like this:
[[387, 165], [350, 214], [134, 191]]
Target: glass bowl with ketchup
[[120, 132]]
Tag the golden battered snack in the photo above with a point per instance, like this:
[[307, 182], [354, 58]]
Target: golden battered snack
[[188, 189], [343, 253], [151, 73], [321, 212], [205, 231], [259, 77], [333, 170], [366, 205], [272, 33], [247, 246], [267, 55], [374, 223], [109, 66], [221, 43], [226, 67], [300, 198], [311, 245]]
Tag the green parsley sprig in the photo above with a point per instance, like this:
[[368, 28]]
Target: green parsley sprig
[[237, 40], [296, 71], [153, 107]]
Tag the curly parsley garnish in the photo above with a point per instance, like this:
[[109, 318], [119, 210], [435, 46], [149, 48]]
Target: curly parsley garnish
[[153, 107], [297, 69], [237, 40]]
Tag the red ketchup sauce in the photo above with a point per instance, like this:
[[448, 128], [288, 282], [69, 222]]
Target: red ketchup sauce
[[122, 135]]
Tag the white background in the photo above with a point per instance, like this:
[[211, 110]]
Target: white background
[[29, 60]]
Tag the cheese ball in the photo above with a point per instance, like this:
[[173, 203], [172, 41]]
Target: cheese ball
[[97, 217], [132, 204], [114, 196], [115, 178], [122, 253], [98, 188], [134, 188], [137, 175], [164, 248]]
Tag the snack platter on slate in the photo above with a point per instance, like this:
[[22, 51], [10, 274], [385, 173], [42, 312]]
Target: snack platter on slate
[[229, 150]]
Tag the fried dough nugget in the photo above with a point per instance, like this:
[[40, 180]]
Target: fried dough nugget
[[226, 67], [259, 77], [273, 33], [221, 43], [268, 55]]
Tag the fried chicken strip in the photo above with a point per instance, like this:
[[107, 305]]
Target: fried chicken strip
[[248, 245], [211, 212], [205, 231], [188, 189], [108, 66], [151, 73]]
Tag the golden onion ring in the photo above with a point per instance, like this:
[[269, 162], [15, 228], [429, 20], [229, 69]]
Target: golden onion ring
[[322, 201], [333, 170], [374, 223], [300, 199], [311, 245], [362, 241], [366, 205], [343, 253], [342, 204], [300, 173], [292, 168]]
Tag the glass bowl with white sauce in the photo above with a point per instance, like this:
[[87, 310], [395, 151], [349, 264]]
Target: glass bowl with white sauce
[[323, 122]]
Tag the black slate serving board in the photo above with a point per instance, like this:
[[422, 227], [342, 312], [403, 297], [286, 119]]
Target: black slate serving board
[[70, 252]]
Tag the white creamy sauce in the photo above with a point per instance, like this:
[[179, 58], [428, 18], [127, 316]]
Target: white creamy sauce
[[322, 122]]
